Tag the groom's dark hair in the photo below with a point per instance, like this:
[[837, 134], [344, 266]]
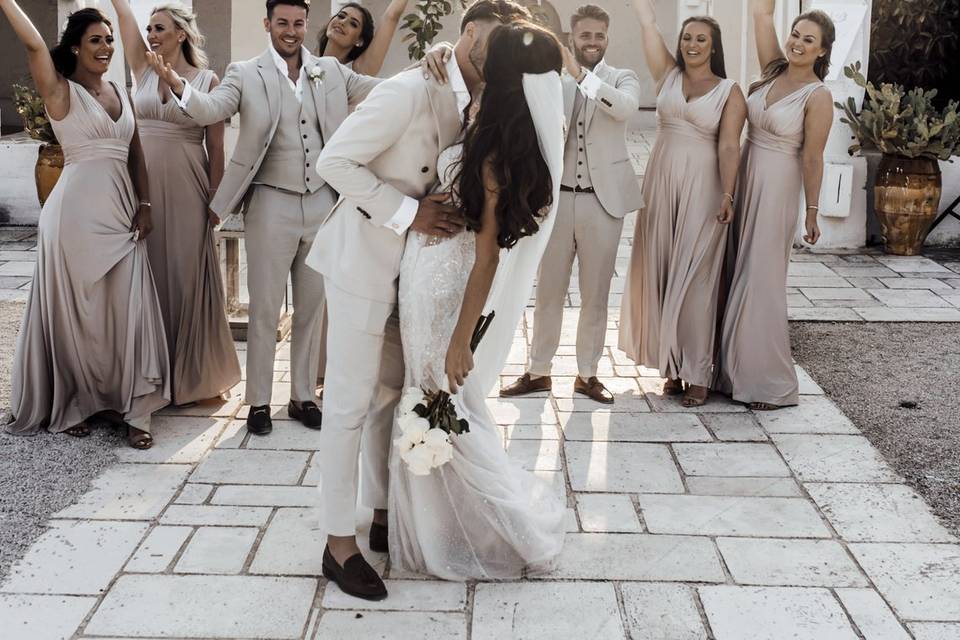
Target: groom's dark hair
[[272, 4], [503, 11]]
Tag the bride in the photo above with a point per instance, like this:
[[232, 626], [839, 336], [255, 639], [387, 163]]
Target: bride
[[481, 515]]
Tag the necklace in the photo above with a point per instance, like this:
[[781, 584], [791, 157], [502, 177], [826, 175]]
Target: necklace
[[95, 92]]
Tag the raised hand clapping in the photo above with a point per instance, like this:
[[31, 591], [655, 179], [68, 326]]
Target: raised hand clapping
[[166, 73]]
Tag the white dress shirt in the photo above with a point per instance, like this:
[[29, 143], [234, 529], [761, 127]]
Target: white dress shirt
[[404, 216], [591, 82]]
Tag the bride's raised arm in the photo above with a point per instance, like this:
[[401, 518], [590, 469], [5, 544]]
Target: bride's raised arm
[[459, 360], [655, 50], [765, 33], [51, 86], [134, 48]]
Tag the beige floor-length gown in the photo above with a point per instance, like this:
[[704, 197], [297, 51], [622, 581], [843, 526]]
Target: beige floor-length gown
[[183, 253], [670, 309], [755, 360], [92, 336]]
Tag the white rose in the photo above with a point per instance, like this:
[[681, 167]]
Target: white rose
[[404, 443], [414, 425], [438, 442], [411, 398], [419, 460]]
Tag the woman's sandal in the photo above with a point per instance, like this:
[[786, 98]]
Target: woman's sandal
[[691, 401], [763, 406], [81, 430], [673, 387], [138, 439]]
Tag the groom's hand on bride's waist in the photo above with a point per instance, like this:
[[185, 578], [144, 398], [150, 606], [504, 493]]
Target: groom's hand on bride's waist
[[437, 217]]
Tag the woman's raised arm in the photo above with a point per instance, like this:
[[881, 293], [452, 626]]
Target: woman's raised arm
[[765, 33], [134, 48], [659, 58], [371, 61], [51, 86]]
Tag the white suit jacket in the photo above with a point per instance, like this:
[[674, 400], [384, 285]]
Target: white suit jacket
[[385, 150]]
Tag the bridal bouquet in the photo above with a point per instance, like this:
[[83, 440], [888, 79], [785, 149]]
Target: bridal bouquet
[[427, 420]]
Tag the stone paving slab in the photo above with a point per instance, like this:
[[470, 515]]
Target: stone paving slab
[[774, 613], [871, 614], [546, 610], [658, 611], [39, 617], [205, 607], [918, 580], [75, 557]]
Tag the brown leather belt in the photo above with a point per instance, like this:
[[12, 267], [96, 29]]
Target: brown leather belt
[[577, 189]]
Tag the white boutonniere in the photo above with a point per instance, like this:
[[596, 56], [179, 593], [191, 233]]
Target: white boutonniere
[[316, 75]]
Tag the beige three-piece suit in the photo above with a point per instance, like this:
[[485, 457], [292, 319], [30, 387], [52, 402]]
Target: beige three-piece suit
[[272, 179], [604, 188]]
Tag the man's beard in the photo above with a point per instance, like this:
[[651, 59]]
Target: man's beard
[[477, 58], [582, 58]]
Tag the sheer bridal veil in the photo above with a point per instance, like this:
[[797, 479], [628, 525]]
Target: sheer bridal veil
[[513, 283]]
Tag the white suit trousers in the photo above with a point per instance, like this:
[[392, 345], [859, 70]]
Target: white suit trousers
[[364, 381]]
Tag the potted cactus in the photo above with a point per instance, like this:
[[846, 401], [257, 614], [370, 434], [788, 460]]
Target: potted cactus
[[912, 134], [37, 125]]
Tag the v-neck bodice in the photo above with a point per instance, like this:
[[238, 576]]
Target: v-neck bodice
[[700, 116]]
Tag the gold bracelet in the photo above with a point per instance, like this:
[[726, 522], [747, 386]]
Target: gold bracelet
[[813, 206]]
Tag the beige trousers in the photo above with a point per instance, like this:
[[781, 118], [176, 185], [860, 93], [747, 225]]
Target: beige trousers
[[364, 380], [585, 231], [279, 228]]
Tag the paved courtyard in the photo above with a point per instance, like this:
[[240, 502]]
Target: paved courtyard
[[714, 523]]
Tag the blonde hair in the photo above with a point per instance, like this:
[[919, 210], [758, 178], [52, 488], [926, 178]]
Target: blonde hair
[[186, 21]]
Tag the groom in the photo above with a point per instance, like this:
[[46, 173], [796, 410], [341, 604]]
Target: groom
[[383, 162], [290, 102]]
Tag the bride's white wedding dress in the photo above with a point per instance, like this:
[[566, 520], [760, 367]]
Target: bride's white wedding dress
[[481, 515]]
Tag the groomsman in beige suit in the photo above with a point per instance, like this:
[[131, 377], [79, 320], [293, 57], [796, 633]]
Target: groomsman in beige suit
[[290, 102], [383, 162], [598, 189]]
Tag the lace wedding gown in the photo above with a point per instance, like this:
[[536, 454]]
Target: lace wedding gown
[[481, 515]]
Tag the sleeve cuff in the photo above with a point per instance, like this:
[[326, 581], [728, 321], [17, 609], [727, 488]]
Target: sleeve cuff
[[404, 216], [187, 92], [590, 85]]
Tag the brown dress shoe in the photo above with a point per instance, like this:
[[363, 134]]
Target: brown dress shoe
[[593, 389], [526, 384], [355, 577]]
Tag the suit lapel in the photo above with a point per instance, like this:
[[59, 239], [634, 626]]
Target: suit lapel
[[569, 95], [271, 86], [444, 105], [318, 91]]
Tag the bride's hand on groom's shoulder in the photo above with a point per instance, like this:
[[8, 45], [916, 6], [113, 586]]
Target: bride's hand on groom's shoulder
[[434, 63], [437, 217], [459, 364]]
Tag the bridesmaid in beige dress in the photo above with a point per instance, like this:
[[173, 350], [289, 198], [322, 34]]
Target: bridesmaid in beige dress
[[92, 336], [790, 112], [183, 177], [670, 306]]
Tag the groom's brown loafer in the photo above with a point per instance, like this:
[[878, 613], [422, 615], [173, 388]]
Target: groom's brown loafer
[[378, 538], [593, 389], [526, 384], [356, 577]]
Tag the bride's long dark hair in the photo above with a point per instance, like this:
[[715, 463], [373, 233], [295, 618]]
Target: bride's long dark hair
[[504, 135]]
